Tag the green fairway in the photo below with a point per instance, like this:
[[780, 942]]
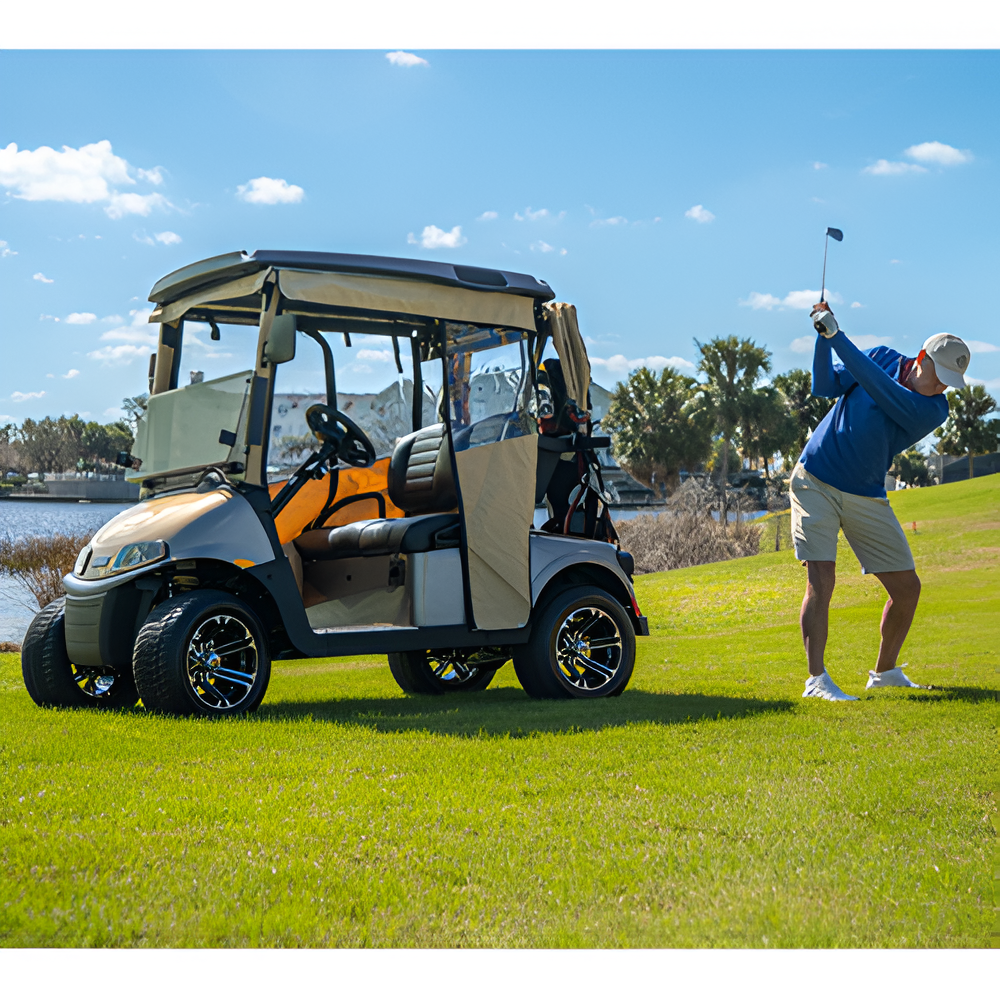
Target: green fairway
[[710, 805]]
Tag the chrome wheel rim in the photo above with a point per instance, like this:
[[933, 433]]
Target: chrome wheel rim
[[222, 662], [93, 681], [588, 648], [451, 666]]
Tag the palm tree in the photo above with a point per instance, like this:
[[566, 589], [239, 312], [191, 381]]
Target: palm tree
[[660, 424], [732, 368], [967, 431], [806, 409]]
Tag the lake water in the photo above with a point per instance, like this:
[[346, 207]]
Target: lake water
[[21, 518]]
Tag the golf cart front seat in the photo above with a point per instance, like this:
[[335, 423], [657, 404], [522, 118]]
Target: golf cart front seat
[[420, 482]]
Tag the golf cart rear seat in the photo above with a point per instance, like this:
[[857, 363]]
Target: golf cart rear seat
[[420, 482]]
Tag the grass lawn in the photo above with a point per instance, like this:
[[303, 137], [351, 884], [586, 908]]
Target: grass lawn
[[710, 805]]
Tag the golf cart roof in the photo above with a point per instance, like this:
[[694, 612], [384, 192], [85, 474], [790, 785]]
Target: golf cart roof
[[228, 287]]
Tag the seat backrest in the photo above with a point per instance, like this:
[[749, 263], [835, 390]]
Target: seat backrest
[[420, 477]]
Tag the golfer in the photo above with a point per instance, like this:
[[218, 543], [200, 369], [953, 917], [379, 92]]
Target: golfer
[[885, 404]]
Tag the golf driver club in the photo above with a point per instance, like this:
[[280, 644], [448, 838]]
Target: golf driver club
[[838, 235]]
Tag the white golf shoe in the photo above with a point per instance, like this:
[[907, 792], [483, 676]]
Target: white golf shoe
[[894, 678], [823, 687]]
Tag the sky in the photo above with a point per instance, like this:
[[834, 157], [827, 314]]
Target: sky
[[673, 196]]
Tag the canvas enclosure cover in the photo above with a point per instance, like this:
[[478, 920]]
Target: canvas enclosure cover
[[369, 293], [571, 350]]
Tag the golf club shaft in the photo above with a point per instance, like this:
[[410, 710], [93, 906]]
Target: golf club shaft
[[822, 287]]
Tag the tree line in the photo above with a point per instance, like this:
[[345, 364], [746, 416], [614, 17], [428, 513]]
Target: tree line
[[664, 423], [63, 444]]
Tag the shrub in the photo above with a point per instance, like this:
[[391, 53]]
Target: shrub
[[10, 647], [40, 562], [673, 540]]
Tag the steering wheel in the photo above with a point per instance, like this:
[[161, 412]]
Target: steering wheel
[[333, 427]]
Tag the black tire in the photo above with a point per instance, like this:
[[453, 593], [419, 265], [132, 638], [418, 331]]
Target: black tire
[[445, 671], [178, 669], [50, 677], [559, 660]]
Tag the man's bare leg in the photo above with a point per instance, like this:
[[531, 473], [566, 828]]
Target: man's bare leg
[[903, 589], [815, 615]]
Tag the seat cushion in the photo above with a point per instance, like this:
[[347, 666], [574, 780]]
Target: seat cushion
[[381, 537]]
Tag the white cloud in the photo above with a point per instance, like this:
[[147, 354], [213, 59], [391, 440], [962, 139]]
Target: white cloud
[[487, 216], [72, 373], [618, 364], [134, 204], [542, 247], [269, 191], [530, 216], [886, 168], [80, 175], [112, 319], [55, 319], [981, 346], [41, 277], [133, 341], [699, 213], [20, 397], [122, 354], [85, 175], [167, 238], [819, 166], [113, 411], [401, 58], [804, 299], [895, 261], [760, 300], [563, 252], [5, 250], [615, 220], [432, 238], [802, 345], [857, 305], [938, 152], [81, 319], [367, 354]]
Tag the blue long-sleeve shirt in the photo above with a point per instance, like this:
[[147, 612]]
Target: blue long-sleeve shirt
[[874, 418]]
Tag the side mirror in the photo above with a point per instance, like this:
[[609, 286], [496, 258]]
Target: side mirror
[[280, 345]]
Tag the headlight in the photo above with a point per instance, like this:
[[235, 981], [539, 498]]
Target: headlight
[[81, 561], [135, 555]]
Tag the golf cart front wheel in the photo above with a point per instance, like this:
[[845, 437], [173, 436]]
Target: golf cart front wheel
[[202, 653], [50, 677], [582, 645], [445, 671]]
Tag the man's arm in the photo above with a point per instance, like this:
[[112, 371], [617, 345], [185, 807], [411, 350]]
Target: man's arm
[[909, 409], [828, 379]]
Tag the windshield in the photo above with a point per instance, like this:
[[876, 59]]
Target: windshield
[[192, 427]]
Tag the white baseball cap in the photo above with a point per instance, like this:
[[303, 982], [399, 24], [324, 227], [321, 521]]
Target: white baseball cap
[[950, 355]]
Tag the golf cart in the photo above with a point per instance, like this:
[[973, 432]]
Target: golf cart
[[280, 519]]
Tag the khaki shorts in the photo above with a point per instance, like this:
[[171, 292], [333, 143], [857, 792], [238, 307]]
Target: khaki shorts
[[870, 527]]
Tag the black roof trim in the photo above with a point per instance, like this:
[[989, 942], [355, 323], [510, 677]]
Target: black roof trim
[[226, 267]]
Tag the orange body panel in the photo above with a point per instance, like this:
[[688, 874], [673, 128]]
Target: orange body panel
[[309, 502]]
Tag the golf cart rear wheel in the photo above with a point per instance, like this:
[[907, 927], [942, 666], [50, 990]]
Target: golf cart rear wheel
[[202, 653], [582, 645], [50, 677], [444, 671]]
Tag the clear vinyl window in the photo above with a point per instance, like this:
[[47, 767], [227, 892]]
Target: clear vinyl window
[[490, 396]]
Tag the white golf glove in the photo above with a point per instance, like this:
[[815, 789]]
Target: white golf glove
[[825, 323]]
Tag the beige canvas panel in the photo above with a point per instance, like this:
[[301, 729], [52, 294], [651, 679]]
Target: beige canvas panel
[[250, 284], [498, 496], [403, 295], [571, 350]]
